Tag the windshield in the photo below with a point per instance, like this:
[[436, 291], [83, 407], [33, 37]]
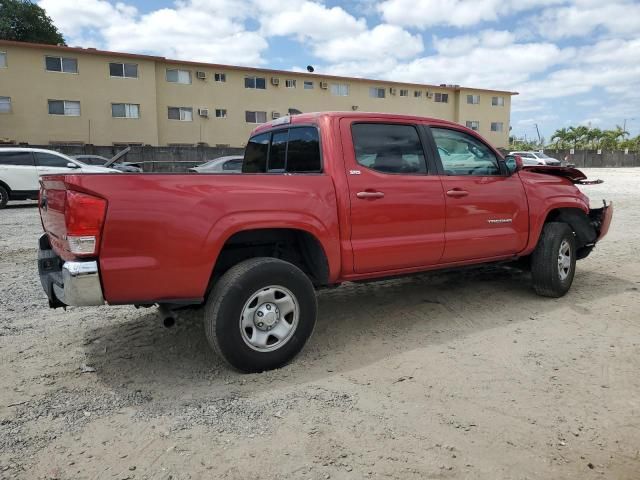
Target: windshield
[[542, 155]]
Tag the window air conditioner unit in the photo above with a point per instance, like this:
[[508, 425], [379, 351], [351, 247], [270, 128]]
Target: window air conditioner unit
[[203, 112], [324, 85], [275, 115], [392, 91], [275, 81], [201, 75]]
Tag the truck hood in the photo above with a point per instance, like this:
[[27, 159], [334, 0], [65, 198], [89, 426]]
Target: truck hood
[[572, 174]]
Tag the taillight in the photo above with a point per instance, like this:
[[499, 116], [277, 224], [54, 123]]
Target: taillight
[[83, 216]]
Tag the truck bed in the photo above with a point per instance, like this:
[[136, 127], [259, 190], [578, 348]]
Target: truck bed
[[162, 232]]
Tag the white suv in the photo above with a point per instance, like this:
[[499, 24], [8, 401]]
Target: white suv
[[20, 169]]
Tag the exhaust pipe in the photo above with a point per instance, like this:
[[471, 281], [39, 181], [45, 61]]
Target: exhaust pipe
[[167, 316]]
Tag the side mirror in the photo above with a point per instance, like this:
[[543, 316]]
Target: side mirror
[[72, 165], [514, 163]]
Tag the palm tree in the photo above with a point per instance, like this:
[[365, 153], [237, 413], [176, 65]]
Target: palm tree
[[560, 136]]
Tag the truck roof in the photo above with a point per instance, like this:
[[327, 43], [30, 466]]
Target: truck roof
[[313, 117]]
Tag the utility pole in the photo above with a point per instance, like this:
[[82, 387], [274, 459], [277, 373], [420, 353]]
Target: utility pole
[[538, 131]]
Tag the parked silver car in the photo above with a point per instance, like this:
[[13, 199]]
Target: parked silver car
[[230, 164], [537, 158]]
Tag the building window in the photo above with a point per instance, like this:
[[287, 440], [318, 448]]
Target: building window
[[61, 64], [441, 98], [308, 85], [255, 82], [5, 104], [473, 99], [3, 59], [375, 92], [417, 93], [290, 83], [255, 117], [340, 89], [404, 92], [221, 113], [64, 107], [184, 114], [179, 76], [220, 77], [473, 124], [125, 110], [497, 101], [497, 126], [125, 70]]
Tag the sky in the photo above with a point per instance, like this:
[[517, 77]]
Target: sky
[[572, 61]]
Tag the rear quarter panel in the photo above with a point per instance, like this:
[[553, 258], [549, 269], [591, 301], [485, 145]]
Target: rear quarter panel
[[163, 233]]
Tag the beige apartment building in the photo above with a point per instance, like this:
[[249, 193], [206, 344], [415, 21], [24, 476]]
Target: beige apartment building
[[62, 95]]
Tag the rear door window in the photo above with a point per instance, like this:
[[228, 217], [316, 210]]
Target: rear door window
[[389, 148], [24, 159]]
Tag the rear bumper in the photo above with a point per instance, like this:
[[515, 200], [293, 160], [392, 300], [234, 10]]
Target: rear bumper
[[71, 283]]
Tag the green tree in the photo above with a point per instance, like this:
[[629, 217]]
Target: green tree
[[24, 21], [560, 137]]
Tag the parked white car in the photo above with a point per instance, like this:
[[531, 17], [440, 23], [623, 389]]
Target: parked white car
[[230, 164], [20, 169], [537, 158]]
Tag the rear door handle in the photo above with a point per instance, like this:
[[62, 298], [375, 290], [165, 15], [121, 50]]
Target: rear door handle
[[457, 193], [369, 194]]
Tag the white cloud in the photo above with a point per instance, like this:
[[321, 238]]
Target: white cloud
[[308, 20], [462, 44], [381, 42], [615, 17], [201, 30], [457, 13]]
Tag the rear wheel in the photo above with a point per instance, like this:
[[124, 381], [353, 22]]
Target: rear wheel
[[553, 262], [260, 314], [4, 197]]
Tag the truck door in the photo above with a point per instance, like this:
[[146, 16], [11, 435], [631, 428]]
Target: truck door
[[397, 202], [487, 210]]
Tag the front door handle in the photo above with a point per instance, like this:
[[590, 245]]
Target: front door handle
[[369, 194], [457, 193]]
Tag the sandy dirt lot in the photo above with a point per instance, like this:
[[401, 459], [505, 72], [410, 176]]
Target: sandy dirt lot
[[459, 375]]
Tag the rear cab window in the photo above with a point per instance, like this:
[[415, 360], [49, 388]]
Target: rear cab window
[[289, 150]]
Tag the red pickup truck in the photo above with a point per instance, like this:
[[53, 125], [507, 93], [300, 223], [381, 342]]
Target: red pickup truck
[[323, 198]]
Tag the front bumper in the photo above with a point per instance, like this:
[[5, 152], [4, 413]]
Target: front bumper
[[601, 219], [71, 283]]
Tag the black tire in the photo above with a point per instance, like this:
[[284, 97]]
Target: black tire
[[224, 310], [547, 276], [4, 197]]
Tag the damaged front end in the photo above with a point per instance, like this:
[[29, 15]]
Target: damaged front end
[[601, 219]]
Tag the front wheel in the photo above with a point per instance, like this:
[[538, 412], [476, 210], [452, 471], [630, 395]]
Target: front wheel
[[260, 314], [553, 262]]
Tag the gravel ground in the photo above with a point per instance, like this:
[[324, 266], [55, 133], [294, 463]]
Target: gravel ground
[[458, 375]]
